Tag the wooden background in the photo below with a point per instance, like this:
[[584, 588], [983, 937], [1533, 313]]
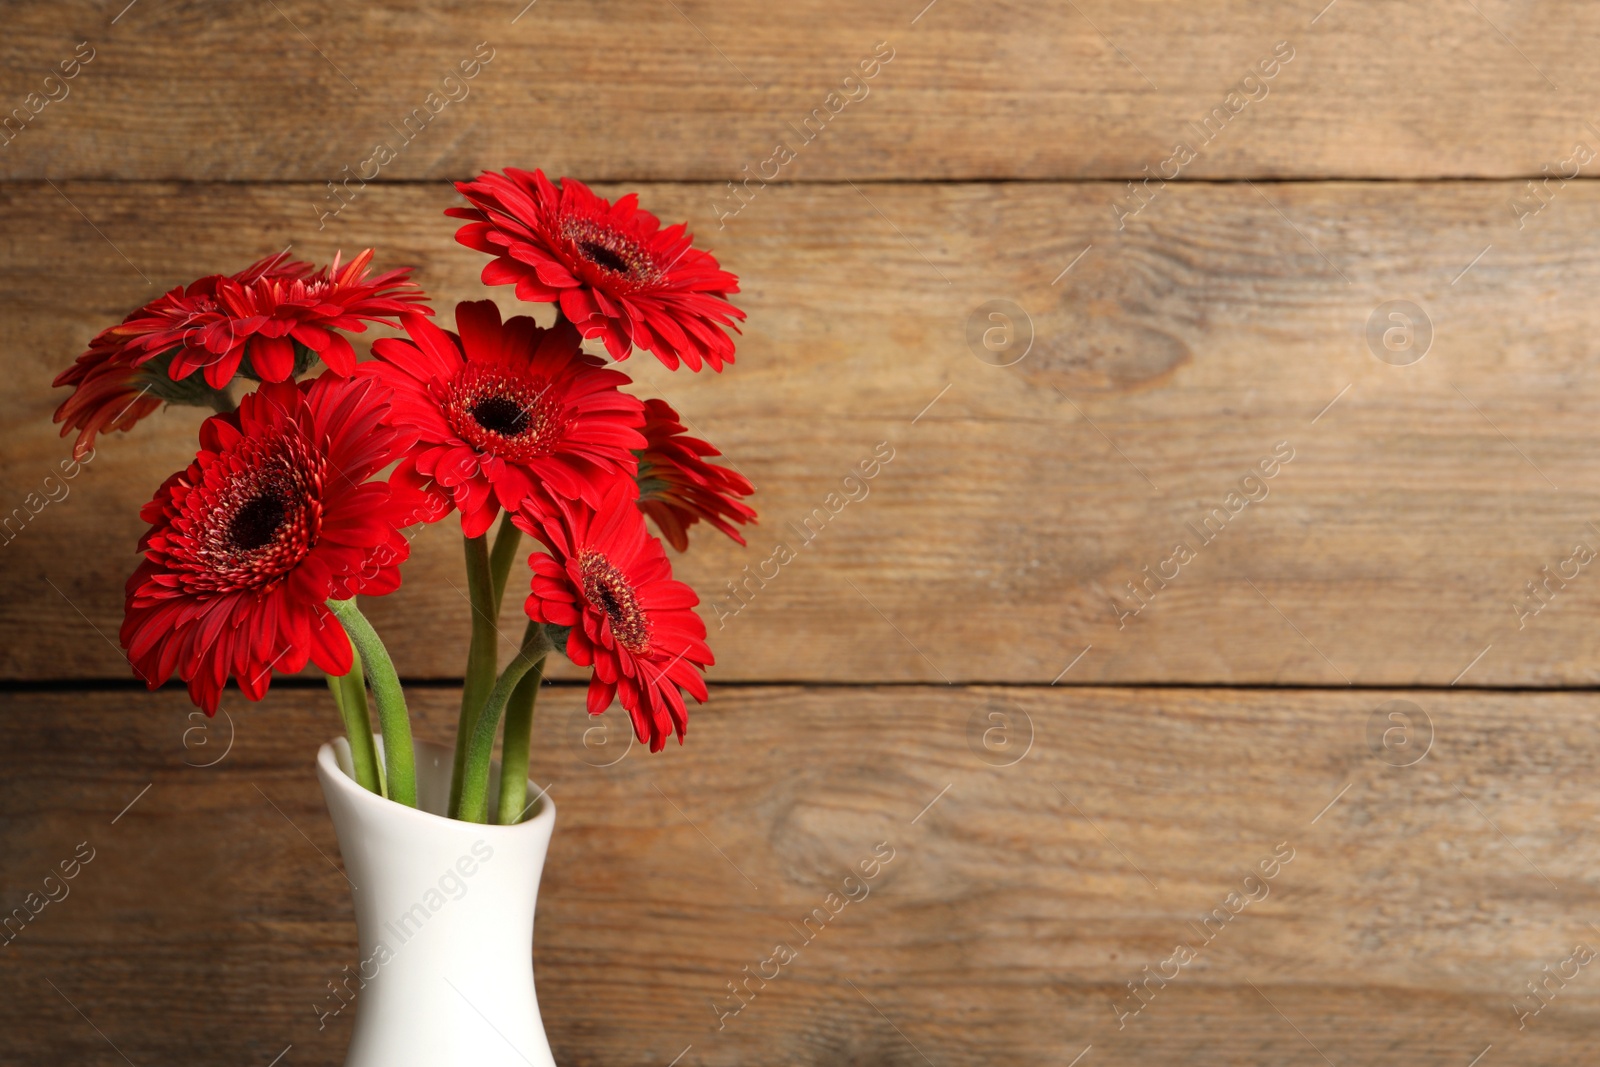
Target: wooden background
[[942, 667]]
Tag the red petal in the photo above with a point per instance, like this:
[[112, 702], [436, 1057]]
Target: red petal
[[272, 358]]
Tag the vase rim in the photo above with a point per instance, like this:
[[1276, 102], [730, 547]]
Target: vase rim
[[328, 761]]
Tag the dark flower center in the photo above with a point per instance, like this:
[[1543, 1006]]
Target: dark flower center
[[501, 415], [600, 255], [608, 589], [257, 521], [518, 417], [618, 254], [248, 528]]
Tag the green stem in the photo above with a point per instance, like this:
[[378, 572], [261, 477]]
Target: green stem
[[336, 687], [482, 656], [515, 744], [506, 540], [475, 780], [355, 686], [222, 400], [399, 758], [350, 694]]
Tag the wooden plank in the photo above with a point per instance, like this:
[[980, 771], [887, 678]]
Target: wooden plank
[[693, 90], [1174, 356], [1020, 901]]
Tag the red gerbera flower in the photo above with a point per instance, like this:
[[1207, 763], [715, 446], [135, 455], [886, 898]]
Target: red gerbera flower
[[275, 516], [503, 408], [116, 382], [611, 267], [277, 313], [678, 488], [610, 581]]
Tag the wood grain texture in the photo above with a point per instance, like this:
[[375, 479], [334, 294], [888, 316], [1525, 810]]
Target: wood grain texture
[[1172, 358], [641, 90], [1081, 798], [1019, 902]]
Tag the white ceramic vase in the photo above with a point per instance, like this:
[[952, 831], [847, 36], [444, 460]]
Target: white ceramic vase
[[444, 913]]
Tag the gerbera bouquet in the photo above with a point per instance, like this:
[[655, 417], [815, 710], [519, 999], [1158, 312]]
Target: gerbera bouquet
[[302, 493]]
